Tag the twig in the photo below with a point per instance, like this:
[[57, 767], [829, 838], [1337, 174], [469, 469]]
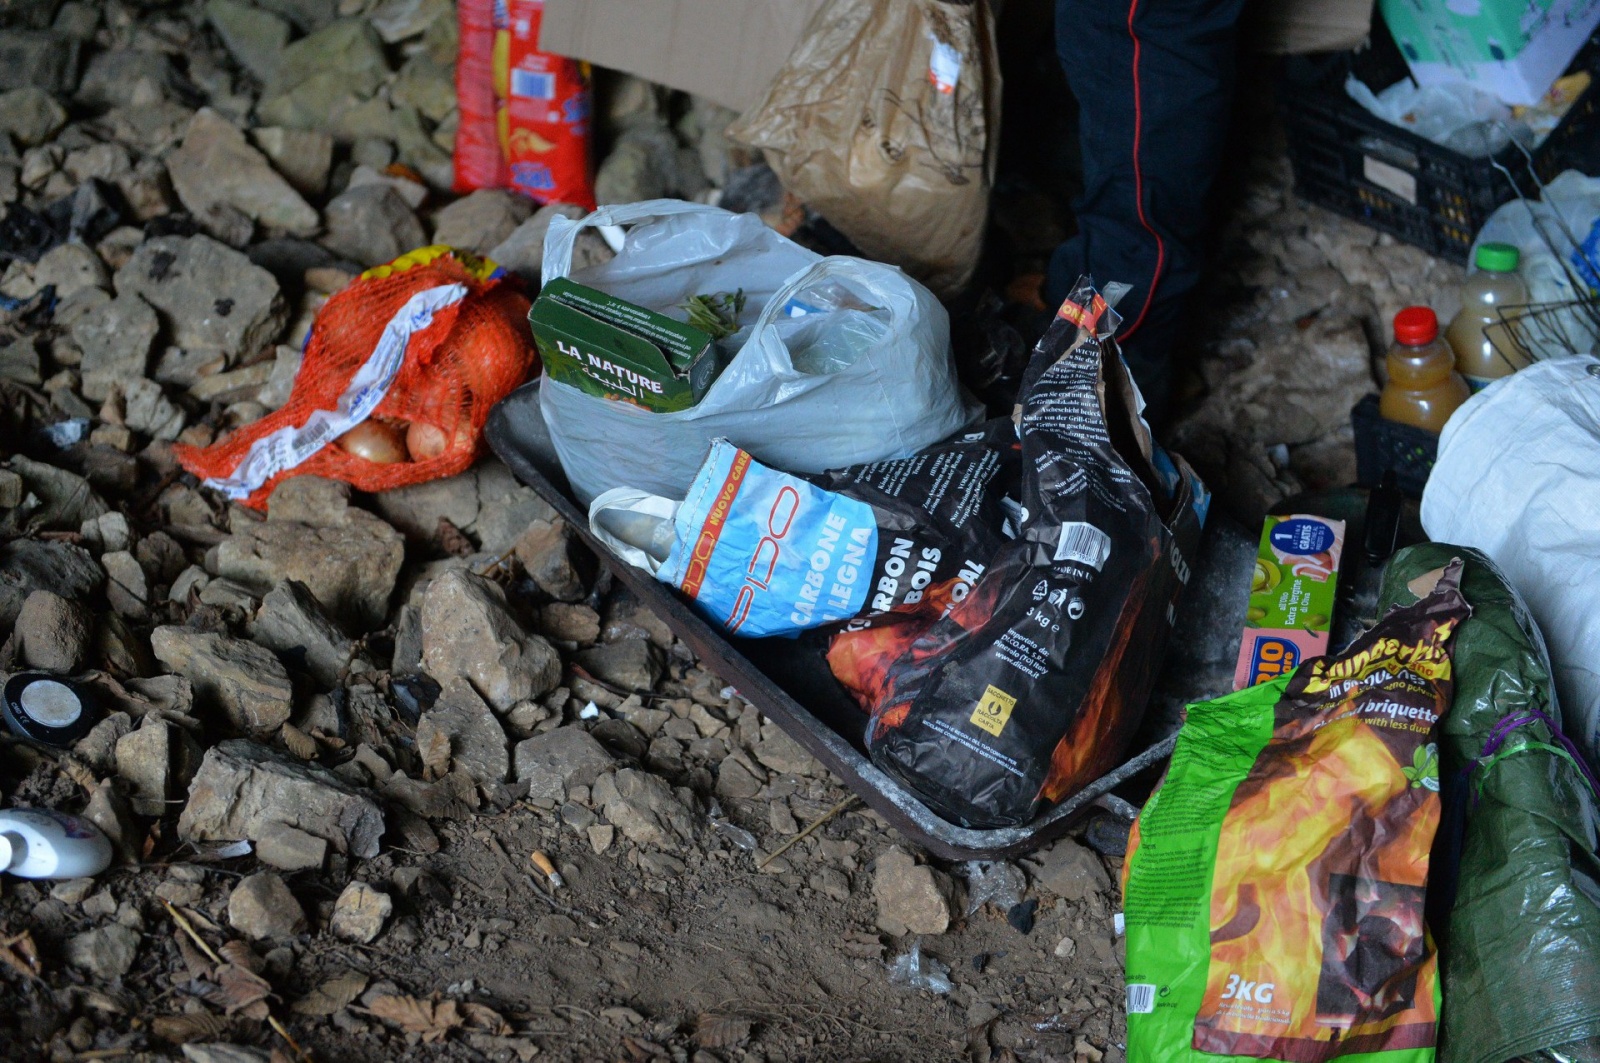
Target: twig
[[194, 935], [272, 1020], [819, 821]]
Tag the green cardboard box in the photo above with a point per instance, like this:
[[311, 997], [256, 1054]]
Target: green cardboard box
[[615, 349], [1513, 49]]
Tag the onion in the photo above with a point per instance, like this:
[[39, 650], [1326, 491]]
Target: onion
[[426, 441], [375, 441]]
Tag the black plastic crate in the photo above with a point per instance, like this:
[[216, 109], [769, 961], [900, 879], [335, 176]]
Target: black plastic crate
[[1358, 165], [1382, 446]]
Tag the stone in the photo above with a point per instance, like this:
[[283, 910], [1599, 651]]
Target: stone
[[108, 810], [255, 38], [106, 953], [415, 193], [569, 623], [481, 220], [416, 510], [147, 409], [31, 115], [53, 633], [216, 165], [360, 912], [505, 508], [349, 47], [644, 808], [69, 268], [554, 561], [28, 565], [468, 632], [1070, 870], [262, 908], [555, 762], [912, 898], [115, 339], [64, 499], [127, 586], [371, 225], [427, 86], [632, 664], [522, 250], [243, 789], [780, 753], [303, 156], [41, 58], [738, 780], [280, 382], [118, 76], [109, 531], [399, 20], [246, 682], [208, 295], [156, 761], [350, 567], [472, 736], [314, 500], [293, 624], [290, 849]]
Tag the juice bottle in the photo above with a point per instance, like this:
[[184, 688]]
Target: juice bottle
[[1481, 357], [1424, 388]]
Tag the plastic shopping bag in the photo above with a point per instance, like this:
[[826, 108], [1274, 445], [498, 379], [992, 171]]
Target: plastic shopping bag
[[803, 390], [886, 121]]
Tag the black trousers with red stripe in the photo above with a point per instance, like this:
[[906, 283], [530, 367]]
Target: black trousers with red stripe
[[1154, 82]]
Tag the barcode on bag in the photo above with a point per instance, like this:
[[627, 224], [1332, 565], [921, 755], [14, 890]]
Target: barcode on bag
[[531, 85], [1141, 998], [1084, 544]]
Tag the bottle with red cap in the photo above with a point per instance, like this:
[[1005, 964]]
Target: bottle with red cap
[[1424, 388]]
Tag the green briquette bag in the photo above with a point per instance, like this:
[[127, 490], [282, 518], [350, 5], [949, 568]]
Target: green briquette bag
[[1275, 881]]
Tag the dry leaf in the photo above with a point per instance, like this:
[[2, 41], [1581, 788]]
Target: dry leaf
[[237, 952], [298, 742], [20, 954], [198, 1026], [435, 754], [197, 962], [721, 1031], [482, 1017], [332, 995], [452, 541], [238, 988], [431, 1020]]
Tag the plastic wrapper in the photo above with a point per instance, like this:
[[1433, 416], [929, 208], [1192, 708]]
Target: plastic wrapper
[[477, 159], [433, 339], [1275, 882], [916, 971], [763, 553], [1515, 893], [886, 121], [794, 393], [1036, 681], [544, 115]]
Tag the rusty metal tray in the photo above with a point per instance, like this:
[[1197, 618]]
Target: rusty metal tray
[[786, 686]]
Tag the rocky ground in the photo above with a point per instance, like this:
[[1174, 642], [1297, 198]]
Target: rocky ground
[[408, 776]]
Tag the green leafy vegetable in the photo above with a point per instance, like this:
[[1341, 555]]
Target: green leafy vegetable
[[716, 313]]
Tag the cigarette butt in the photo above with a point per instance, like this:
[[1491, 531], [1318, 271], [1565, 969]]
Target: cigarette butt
[[542, 862]]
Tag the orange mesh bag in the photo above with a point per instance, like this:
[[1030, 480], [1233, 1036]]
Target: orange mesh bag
[[426, 345]]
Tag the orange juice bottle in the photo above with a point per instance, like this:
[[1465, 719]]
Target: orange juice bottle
[[1424, 388], [1472, 335]]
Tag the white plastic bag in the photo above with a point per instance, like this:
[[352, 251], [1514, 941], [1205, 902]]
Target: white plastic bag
[[1518, 477], [803, 394]]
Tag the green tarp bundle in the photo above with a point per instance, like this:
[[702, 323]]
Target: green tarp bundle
[[1521, 948]]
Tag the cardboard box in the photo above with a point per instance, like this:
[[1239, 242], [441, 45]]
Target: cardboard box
[[1291, 596], [1513, 49], [1294, 27], [615, 349], [725, 50]]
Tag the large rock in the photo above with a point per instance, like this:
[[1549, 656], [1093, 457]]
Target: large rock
[[254, 38], [244, 790], [262, 908], [107, 953], [470, 733], [245, 681], [632, 664], [644, 808], [31, 115], [360, 912], [349, 47], [115, 338], [468, 632], [28, 565], [62, 499], [371, 225], [482, 220], [53, 633], [912, 898], [1071, 870], [216, 165], [554, 762], [303, 156], [41, 58], [292, 623], [210, 296], [350, 566], [522, 250], [156, 761]]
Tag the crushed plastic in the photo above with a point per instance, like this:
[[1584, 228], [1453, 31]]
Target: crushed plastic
[[916, 971], [993, 882]]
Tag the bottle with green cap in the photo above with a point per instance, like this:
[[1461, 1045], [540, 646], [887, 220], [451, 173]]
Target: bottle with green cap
[[1484, 348]]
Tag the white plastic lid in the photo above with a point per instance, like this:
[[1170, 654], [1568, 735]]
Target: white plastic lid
[[13, 850], [51, 703]]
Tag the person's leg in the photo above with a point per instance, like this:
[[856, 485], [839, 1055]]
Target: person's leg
[[1154, 84]]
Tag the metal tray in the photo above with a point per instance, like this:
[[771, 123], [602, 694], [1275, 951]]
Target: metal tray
[[767, 673]]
